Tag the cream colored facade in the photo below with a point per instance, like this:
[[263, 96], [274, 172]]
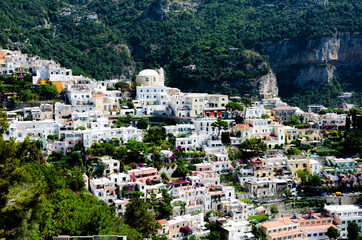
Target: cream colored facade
[[149, 77]]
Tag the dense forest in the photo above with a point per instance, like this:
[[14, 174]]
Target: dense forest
[[105, 39]]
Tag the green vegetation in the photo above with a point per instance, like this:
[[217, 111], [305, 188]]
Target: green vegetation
[[353, 230], [310, 184], [253, 146], [220, 125], [41, 200], [259, 218], [274, 209], [332, 233], [234, 106], [138, 216], [214, 36], [26, 91]]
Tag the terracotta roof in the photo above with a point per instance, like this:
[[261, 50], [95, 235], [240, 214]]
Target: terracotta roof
[[279, 222], [68, 122], [99, 95], [318, 227], [243, 126], [284, 108], [162, 221]]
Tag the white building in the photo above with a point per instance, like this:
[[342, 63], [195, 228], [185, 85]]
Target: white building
[[344, 214], [103, 189]]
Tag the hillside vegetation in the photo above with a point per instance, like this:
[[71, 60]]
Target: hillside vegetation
[[127, 36]]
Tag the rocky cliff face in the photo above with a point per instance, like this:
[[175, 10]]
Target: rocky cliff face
[[268, 84], [311, 64]]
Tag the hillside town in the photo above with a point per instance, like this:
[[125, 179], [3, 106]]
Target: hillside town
[[248, 168]]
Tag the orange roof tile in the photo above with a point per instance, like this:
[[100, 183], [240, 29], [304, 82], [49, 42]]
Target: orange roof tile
[[243, 126], [99, 95], [162, 221]]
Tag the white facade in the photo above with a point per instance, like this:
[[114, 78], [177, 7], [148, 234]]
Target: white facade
[[103, 189], [343, 214]]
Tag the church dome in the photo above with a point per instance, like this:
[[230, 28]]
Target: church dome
[[148, 72]]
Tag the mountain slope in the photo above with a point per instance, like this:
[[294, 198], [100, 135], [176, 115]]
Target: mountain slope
[[213, 35]]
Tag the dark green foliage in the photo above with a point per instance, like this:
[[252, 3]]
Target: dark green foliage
[[138, 217], [234, 106], [294, 151], [311, 184], [254, 145], [181, 171], [353, 230], [332, 232], [212, 36], [143, 123], [292, 120], [53, 137], [225, 138], [220, 125], [274, 209]]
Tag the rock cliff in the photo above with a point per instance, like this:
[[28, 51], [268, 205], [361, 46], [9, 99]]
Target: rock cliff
[[268, 84], [311, 64]]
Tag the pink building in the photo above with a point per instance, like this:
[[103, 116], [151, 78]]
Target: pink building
[[144, 175], [257, 164]]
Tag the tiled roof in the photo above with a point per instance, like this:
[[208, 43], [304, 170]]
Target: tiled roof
[[162, 221], [99, 95], [243, 126]]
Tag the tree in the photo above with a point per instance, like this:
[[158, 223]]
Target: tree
[[234, 106], [292, 120], [294, 151], [164, 176], [309, 183], [274, 209], [265, 116], [225, 138], [48, 92], [135, 151], [4, 124], [165, 208], [138, 216], [181, 171], [122, 85], [332, 232], [247, 103], [353, 230], [254, 145], [143, 123], [287, 192], [68, 213], [220, 125]]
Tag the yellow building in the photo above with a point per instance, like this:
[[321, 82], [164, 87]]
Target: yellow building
[[297, 164]]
